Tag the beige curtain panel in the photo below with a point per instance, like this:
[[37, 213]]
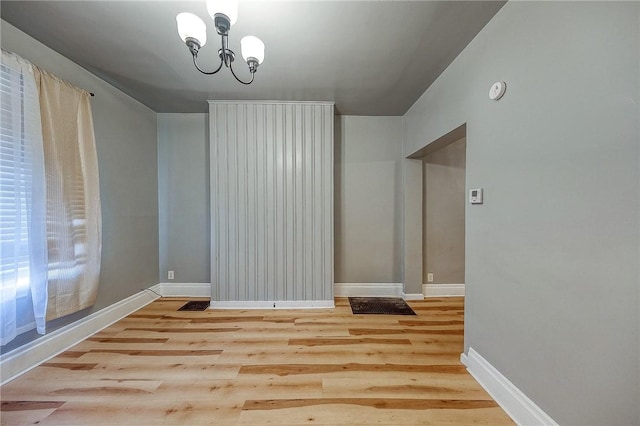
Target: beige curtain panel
[[74, 225]]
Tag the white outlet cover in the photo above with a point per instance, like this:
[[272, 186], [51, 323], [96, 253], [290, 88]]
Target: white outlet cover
[[497, 90]]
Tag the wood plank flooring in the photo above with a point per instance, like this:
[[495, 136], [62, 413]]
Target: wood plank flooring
[[276, 367]]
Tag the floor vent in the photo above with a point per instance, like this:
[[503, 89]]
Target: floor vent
[[380, 305], [195, 305]]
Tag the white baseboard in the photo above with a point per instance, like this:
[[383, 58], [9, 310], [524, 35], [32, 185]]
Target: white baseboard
[[442, 290], [368, 289], [32, 354], [204, 290], [183, 289], [412, 296], [517, 405], [464, 360], [274, 304]]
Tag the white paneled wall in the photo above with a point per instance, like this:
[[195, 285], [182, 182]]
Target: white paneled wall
[[271, 201]]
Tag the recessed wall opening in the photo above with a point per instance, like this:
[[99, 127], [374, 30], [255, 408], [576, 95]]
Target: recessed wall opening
[[442, 215], [443, 209]]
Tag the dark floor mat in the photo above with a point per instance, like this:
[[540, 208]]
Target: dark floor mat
[[380, 305], [195, 305]]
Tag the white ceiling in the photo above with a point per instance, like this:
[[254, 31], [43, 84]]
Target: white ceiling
[[369, 57]]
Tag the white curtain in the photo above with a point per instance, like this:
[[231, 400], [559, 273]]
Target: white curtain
[[50, 213], [23, 244], [74, 226]]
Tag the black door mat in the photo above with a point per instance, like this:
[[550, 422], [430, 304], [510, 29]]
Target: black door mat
[[380, 305], [195, 305]]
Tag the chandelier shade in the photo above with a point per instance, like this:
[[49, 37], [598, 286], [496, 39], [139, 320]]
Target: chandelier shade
[[229, 8], [252, 47], [190, 26]]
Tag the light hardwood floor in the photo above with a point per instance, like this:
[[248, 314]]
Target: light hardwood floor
[[278, 367]]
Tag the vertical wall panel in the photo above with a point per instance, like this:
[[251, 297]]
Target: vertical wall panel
[[271, 201], [298, 209], [328, 220], [261, 247], [269, 207], [231, 195], [280, 205], [251, 235], [241, 157], [318, 195]]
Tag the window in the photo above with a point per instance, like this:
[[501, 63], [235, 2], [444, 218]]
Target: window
[[15, 173], [50, 221], [22, 200]]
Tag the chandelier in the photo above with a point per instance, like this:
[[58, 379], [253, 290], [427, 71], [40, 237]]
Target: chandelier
[[193, 32]]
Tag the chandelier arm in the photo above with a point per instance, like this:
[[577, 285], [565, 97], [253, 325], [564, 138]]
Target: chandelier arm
[[225, 49], [206, 72], [253, 74]]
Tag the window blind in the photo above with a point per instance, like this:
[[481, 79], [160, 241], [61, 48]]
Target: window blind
[[16, 166], [23, 255]]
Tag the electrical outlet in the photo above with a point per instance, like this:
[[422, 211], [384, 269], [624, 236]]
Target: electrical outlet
[[430, 277], [170, 275]]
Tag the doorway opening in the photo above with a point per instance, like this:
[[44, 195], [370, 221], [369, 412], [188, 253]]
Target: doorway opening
[[443, 211], [441, 214]]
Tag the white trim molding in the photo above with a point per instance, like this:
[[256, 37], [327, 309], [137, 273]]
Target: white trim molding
[[183, 289], [442, 290], [273, 304], [267, 102], [368, 289], [517, 405], [464, 360], [32, 354], [412, 296]]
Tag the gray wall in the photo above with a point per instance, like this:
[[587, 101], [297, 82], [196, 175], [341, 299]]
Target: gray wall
[[183, 196], [368, 188], [443, 214], [126, 143], [553, 254], [367, 195]]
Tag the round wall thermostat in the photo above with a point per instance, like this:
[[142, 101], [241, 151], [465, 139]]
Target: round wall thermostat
[[497, 90]]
